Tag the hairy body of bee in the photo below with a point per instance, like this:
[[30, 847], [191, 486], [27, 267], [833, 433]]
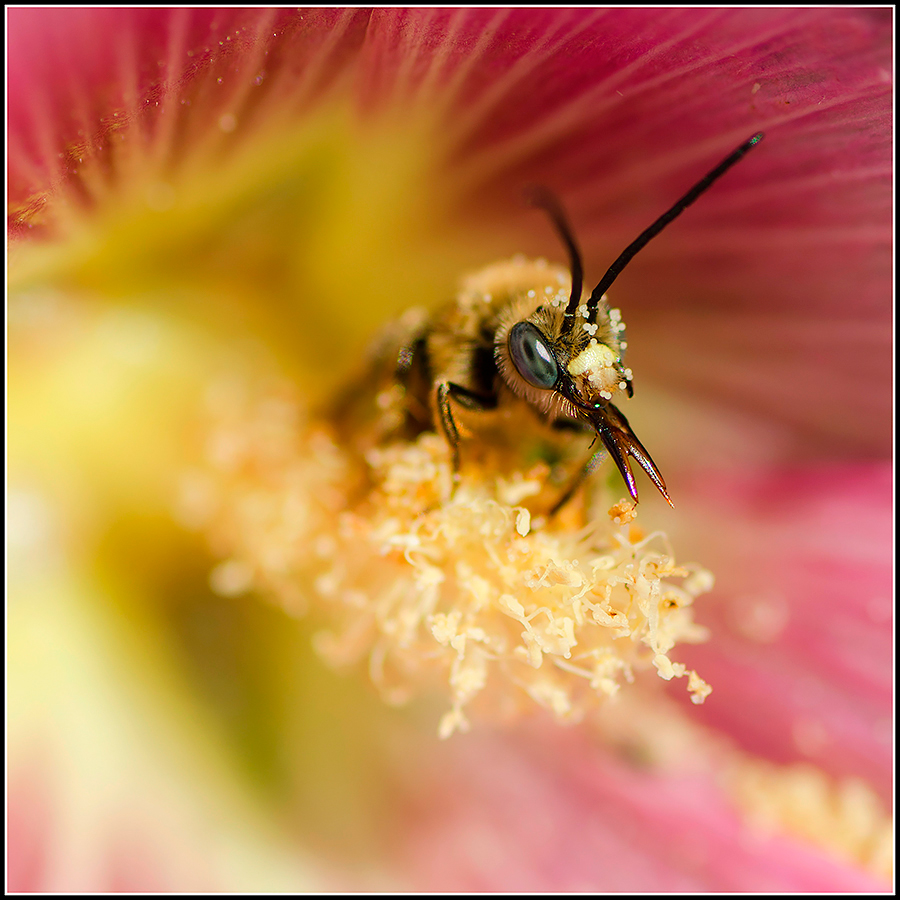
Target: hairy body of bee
[[451, 373]]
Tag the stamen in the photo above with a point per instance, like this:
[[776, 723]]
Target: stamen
[[481, 593]]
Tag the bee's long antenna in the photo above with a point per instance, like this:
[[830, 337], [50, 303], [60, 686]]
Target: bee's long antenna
[[628, 254], [549, 202]]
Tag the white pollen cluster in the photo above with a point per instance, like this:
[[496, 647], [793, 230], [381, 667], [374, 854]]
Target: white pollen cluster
[[615, 321], [419, 588]]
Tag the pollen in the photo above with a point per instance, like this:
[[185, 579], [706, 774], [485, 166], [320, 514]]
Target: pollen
[[843, 817], [598, 366], [593, 358], [476, 593]]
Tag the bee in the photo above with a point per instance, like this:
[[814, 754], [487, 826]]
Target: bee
[[513, 337]]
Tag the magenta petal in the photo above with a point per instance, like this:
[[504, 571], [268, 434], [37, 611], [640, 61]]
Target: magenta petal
[[801, 660], [82, 79], [772, 295]]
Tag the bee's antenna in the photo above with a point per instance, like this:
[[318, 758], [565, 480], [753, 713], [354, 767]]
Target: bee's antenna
[[549, 202], [612, 273]]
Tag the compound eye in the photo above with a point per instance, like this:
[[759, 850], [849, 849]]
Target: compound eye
[[532, 356]]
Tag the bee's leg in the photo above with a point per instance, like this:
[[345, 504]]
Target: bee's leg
[[468, 399], [579, 479], [451, 433]]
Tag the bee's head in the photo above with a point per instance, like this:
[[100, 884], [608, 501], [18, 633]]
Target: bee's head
[[566, 361], [565, 358]]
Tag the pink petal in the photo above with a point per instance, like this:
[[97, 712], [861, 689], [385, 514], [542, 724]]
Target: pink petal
[[503, 814], [801, 658], [28, 822]]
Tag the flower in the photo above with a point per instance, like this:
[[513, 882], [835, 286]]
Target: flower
[[193, 192]]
